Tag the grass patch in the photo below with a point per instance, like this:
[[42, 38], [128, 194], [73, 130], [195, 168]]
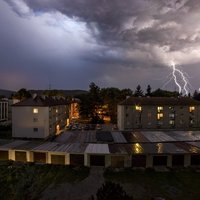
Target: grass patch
[[28, 181], [6, 134], [182, 184]]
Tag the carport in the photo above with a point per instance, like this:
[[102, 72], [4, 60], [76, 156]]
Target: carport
[[57, 159], [39, 157], [117, 161], [97, 160], [195, 160], [139, 161], [20, 156], [160, 160], [4, 155], [77, 159], [177, 160]]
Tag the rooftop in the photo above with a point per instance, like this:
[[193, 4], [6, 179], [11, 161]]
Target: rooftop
[[41, 101], [172, 101], [144, 142]]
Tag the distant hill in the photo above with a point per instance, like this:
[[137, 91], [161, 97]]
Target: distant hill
[[71, 93], [6, 93]]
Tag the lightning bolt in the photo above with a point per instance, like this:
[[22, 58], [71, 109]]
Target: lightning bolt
[[182, 88], [174, 76], [180, 79]]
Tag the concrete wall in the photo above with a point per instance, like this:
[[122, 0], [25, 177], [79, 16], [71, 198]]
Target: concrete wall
[[24, 121]]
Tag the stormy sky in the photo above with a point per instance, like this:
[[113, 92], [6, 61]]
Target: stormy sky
[[114, 43]]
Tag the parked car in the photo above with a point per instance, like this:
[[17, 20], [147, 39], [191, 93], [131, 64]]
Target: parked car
[[98, 127], [86, 127], [74, 127]]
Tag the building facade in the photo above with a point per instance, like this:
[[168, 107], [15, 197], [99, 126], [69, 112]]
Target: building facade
[[39, 117], [158, 113]]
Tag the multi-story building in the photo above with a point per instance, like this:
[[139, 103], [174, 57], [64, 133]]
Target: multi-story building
[[158, 113], [39, 117]]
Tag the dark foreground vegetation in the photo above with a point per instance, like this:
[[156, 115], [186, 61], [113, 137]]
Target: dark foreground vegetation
[[27, 181], [177, 184]]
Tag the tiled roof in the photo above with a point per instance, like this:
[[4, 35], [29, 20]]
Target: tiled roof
[[42, 101], [159, 101]]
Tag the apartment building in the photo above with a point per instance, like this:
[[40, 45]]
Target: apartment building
[[158, 113], [39, 117]]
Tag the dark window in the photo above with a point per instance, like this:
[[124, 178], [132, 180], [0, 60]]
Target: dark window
[[35, 119], [35, 129]]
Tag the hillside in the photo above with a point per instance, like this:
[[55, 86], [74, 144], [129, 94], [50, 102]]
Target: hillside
[[6, 93], [71, 93]]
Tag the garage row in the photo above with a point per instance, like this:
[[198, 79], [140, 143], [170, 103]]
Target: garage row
[[107, 160]]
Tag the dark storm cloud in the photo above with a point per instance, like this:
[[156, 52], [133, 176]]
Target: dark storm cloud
[[126, 23], [104, 39]]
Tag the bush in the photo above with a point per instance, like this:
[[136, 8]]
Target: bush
[[110, 190]]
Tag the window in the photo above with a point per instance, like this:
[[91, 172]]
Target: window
[[191, 121], [35, 129], [159, 116], [171, 115], [160, 123], [35, 110], [56, 110], [160, 108], [171, 108], [149, 115], [35, 119], [191, 108], [171, 122], [138, 108]]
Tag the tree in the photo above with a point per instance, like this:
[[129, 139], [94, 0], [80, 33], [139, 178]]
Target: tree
[[196, 95], [138, 91], [110, 190], [22, 94], [164, 93], [148, 91], [90, 102]]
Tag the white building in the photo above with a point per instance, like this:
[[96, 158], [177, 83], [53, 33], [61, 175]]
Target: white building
[[39, 117]]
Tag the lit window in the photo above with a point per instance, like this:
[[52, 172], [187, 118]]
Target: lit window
[[171, 108], [159, 115], [191, 108], [56, 110], [171, 115], [35, 110], [160, 108], [171, 122], [138, 108]]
